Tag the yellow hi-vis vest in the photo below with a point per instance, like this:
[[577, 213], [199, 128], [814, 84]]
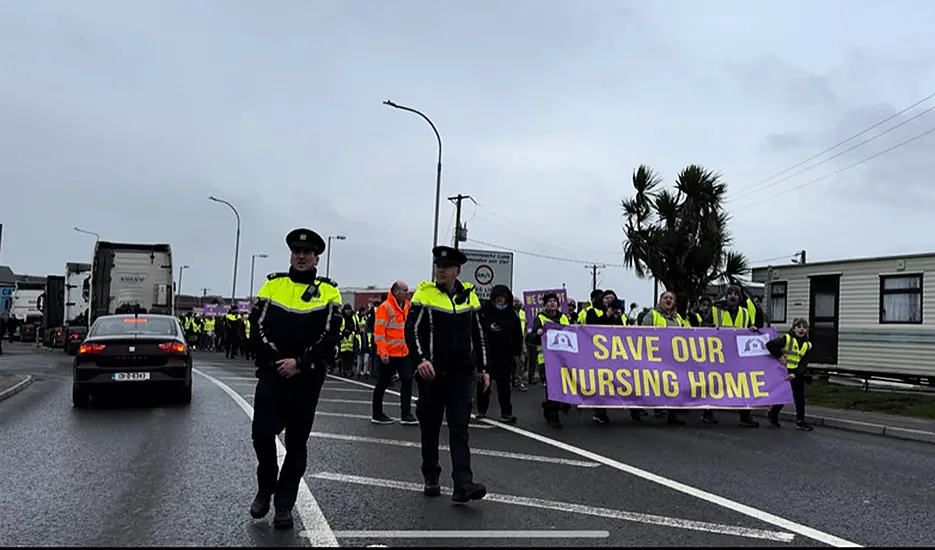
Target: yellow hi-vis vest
[[793, 352], [540, 359], [209, 324], [196, 326], [660, 321], [347, 343], [722, 318], [246, 327], [583, 314], [522, 320]]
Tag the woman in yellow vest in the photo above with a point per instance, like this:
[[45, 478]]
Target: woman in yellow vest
[[792, 351], [664, 315], [733, 314], [550, 313]]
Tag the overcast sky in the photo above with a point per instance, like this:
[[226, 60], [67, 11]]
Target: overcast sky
[[123, 116]]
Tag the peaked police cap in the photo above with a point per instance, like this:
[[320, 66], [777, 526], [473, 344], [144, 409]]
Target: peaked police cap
[[446, 256], [307, 239]]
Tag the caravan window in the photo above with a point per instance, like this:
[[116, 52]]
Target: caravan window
[[777, 302], [901, 299]]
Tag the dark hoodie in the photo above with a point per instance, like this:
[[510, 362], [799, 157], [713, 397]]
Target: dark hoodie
[[507, 343]]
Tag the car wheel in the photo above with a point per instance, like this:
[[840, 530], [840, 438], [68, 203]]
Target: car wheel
[[80, 398], [184, 395]]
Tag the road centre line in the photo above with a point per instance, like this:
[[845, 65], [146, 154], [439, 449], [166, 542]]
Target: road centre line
[[479, 452], [557, 506], [306, 506], [782, 523]]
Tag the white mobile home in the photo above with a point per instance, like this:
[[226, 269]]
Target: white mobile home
[[866, 315]]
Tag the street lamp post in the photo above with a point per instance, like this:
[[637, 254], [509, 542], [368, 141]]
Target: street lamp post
[[328, 257], [252, 264], [97, 239], [236, 244], [438, 173], [178, 289]]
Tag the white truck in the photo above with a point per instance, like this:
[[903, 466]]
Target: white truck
[[77, 294], [131, 277], [25, 309]]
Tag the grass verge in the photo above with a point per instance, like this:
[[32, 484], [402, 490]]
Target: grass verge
[[833, 396]]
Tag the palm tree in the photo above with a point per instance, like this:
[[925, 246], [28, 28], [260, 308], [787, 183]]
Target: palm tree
[[679, 235]]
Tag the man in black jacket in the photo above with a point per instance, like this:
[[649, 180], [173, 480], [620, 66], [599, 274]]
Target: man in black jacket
[[446, 343], [504, 346], [296, 328]]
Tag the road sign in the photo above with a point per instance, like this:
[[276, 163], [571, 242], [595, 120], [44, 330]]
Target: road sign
[[486, 269]]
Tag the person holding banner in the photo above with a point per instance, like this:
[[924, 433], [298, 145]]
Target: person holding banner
[[792, 351], [664, 315], [594, 309], [611, 314], [446, 341], [732, 315], [549, 314]]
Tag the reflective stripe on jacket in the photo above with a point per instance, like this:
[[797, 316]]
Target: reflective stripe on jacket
[[389, 328]]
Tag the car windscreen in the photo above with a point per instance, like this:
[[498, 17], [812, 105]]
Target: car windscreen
[[145, 326]]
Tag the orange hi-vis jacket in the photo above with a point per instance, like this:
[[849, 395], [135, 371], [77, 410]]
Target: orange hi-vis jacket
[[389, 325]]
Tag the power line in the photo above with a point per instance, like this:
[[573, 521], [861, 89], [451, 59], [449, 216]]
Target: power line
[[747, 193], [848, 167], [538, 255], [846, 141]]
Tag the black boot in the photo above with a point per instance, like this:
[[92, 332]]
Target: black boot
[[469, 491], [283, 518], [431, 488], [260, 506]]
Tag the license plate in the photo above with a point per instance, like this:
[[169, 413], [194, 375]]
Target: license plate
[[130, 376]]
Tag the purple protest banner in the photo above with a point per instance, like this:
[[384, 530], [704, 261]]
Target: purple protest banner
[[244, 306], [197, 310], [532, 302], [606, 366], [210, 310]]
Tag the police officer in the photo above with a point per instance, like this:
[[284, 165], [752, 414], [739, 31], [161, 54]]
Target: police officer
[[296, 326], [446, 343]]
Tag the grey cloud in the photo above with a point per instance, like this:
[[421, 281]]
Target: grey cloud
[[778, 80]]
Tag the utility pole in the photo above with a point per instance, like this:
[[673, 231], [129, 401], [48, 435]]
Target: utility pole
[[460, 234], [801, 257], [594, 272]]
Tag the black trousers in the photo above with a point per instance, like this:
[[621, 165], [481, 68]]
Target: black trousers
[[798, 397], [501, 376], [446, 396], [397, 365], [230, 347], [284, 404]]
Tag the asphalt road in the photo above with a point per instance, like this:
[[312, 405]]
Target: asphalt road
[[148, 473]]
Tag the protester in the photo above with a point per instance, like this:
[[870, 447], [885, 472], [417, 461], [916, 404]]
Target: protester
[[389, 334], [792, 351], [504, 335], [611, 315], [665, 315], [550, 313]]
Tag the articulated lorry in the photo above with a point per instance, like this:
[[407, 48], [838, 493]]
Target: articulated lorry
[[50, 304], [131, 277], [75, 313], [25, 309]]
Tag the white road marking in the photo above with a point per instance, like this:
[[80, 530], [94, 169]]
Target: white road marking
[[782, 523], [480, 452], [367, 417], [239, 379], [316, 525], [488, 534], [558, 506], [355, 402]]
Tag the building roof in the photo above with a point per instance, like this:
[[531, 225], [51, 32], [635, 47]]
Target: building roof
[[6, 275], [919, 256]]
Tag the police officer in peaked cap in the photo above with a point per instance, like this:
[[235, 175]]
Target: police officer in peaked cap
[[447, 345], [296, 327]]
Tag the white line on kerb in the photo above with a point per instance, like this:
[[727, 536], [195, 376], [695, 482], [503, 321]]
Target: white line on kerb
[[480, 452], [489, 534], [316, 525], [557, 506], [734, 506]]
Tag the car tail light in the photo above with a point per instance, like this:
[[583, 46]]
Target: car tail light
[[58, 334], [75, 336], [86, 349], [173, 347]]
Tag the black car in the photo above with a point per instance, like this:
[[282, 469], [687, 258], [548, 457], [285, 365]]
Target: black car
[[132, 351]]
